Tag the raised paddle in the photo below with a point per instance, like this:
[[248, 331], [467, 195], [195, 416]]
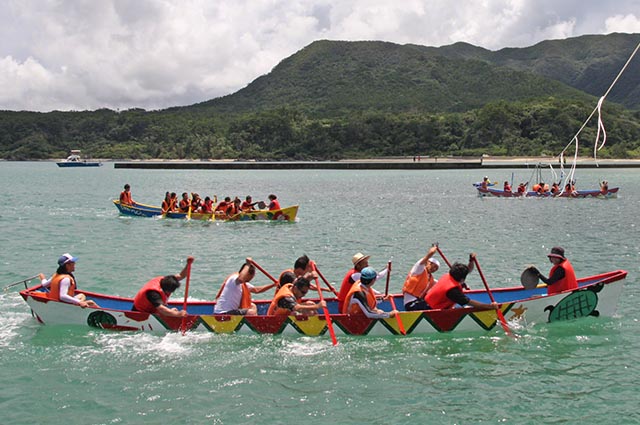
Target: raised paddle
[[183, 326], [325, 309], [6, 288], [393, 303], [257, 266], [442, 255], [503, 321], [324, 279]]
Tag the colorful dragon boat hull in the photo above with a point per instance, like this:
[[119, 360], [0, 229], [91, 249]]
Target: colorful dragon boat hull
[[142, 210], [594, 193], [596, 296]]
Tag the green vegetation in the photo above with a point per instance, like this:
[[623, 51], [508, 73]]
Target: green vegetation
[[335, 100]]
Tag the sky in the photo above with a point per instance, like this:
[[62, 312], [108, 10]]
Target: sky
[[154, 54]]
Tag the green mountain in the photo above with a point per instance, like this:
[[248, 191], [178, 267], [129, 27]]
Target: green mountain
[[588, 63], [336, 78]]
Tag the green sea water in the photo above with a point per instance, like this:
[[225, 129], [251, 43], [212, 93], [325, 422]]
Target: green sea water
[[584, 371]]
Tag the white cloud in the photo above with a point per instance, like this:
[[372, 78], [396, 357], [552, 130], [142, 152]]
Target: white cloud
[[72, 54]]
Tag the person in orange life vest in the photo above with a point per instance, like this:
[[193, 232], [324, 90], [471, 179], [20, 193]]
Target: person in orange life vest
[[562, 277], [125, 196], [153, 296], [183, 206], [604, 187], [166, 203], [274, 204], [223, 205], [207, 206], [419, 281], [234, 296], [288, 300], [196, 202], [448, 291], [555, 188], [303, 267], [62, 285], [361, 298], [522, 187], [247, 204], [286, 277], [506, 187], [360, 261], [485, 182]]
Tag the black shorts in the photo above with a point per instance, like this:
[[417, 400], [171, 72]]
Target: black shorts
[[417, 304]]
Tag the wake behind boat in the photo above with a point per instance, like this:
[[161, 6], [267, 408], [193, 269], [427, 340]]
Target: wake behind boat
[[143, 210], [596, 296]]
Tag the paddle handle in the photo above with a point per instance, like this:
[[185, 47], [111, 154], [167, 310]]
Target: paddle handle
[[442, 255], [183, 326], [324, 279], [503, 321], [393, 303], [386, 287], [266, 273]]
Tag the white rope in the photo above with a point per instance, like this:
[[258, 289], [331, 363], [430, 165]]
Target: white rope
[[600, 124]]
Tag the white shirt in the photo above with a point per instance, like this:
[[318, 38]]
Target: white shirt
[[231, 295]]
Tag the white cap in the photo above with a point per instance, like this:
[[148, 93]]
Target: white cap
[[434, 261]]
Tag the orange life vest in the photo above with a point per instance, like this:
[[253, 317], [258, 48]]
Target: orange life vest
[[141, 303], [437, 296], [245, 301], [274, 205], [568, 282], [54, 287], [184, 205], [349, 308], [166, 205], [125, 198], [417, 284], [345, 287], [285, 291]]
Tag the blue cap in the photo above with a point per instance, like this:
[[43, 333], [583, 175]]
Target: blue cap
[[66, 258], [368, 274]]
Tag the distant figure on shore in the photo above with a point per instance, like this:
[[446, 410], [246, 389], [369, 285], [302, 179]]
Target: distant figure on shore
[[125, 196]]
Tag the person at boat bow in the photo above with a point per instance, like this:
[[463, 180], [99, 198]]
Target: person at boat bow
[[62, 285], [419, 281], [361, 298], [153, 296], [125, 196], [448, 291], [562, 277], [234, 297], [288, 300]]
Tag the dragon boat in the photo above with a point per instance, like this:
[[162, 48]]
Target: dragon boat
[[143, 210], [592, 193], [596, 296]]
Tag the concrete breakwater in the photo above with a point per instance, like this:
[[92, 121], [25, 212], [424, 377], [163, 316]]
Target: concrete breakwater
[[374, 164]]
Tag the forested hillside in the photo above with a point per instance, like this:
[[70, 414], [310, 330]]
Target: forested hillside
[[336, 100]]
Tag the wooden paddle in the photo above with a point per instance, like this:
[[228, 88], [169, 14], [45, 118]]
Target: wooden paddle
[[183, 326], [442, 255], [503, 321], [324, 279], [325, 309], [6, 288], [257, 266], [393, 303]]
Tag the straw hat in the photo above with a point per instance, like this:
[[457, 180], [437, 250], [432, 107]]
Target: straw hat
[[359, 257]]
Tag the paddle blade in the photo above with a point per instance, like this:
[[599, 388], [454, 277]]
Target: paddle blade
[[529, 278]]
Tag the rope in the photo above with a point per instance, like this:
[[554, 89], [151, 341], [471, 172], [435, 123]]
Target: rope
[[601, 129]]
